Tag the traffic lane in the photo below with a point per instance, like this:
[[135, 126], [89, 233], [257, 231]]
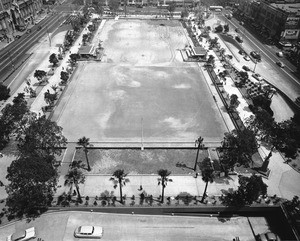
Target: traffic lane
[[4, 53], [258, 46], [138, 227], [16, 55], [12, 52], [61, 226], [281, 78]]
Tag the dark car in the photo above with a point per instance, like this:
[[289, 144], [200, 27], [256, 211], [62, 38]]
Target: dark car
[[18, 36], [39, 28], [268, 237], [241, 52], [280, 64], [239, 39], [246, 68], [28, 31], [255, 55]]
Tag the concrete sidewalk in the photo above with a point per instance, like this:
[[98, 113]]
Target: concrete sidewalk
[[182, 184]]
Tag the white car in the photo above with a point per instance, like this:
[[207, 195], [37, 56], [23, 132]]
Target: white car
[[257, 76], [246, 57], [88, 232], [22, 235]]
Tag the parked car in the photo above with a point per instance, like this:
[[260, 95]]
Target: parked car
[[22, 235], [246, 68], [269, 236], [246, 57], [39, 28], [239, 39], [28, 31], [255, 55], [257, 76], [241, 52], [88, 232], [237, 30], [18, 36], [280, 64]]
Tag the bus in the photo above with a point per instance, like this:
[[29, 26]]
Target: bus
[[216, 8]]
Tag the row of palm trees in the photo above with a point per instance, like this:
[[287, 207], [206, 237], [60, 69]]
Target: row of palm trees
[[75, 176]]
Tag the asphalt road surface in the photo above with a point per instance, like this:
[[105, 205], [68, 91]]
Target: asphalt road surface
[[14, 54], [61, 226], [282, 78]]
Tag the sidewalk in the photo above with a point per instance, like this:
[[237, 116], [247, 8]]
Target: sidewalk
[[182, 184], [282, 179]]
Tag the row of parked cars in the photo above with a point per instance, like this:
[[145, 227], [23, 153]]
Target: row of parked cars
[[90, 232]]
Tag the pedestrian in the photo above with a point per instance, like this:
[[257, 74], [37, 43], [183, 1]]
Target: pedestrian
[[141, 188]]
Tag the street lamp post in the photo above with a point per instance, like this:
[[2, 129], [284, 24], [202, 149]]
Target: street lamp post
[[255, 65]]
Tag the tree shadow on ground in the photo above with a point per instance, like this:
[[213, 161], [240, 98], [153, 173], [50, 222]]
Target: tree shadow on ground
[[223, 180], [229, 190], [225, 219]]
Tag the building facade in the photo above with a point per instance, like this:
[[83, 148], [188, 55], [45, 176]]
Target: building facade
[[278, 20], [15, 15]]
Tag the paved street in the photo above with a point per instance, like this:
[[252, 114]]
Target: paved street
[[61, 226]]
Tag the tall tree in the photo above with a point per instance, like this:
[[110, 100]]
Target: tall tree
[[249, 190], [75, 177], [119, 178], [85, 143], [53, 59], [200, 145], [32, 186], [42, 137], [163, 181], [238, 148], [39, 74], [207, 173]]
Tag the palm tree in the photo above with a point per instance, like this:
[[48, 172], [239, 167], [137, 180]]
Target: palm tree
[[76, 177], [207, 173], [119, 177], [200, 144], [163, 181], [84, 142]]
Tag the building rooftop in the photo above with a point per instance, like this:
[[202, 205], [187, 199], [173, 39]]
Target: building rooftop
[[288, 7]]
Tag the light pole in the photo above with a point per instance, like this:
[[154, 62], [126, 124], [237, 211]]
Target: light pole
[[49, 36], [11, 61], [255, 65], [200, 144]]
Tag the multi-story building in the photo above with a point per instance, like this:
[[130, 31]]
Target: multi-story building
[[17, 14], [279, 20]]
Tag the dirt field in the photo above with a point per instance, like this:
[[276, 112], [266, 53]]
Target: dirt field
[[141, 88]]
